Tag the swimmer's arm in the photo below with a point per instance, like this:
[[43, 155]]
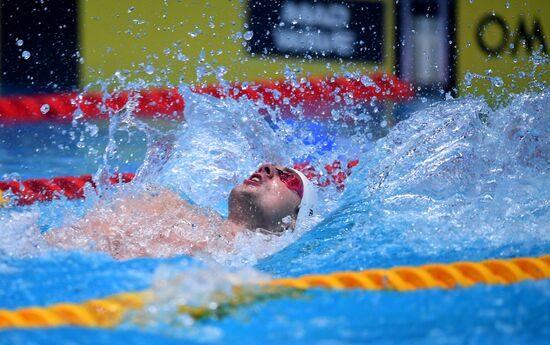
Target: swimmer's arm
[[128, 215]]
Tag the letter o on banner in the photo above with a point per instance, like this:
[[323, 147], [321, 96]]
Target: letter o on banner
[[488, 20]]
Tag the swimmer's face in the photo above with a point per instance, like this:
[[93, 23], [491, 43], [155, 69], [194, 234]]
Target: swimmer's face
[[269, 199]]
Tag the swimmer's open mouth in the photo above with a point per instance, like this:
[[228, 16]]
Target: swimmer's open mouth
[[254, 179]]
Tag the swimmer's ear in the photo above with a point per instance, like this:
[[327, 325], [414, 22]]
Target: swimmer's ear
[[292, 224]]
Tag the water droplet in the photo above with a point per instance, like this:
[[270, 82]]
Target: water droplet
[[201, 72], [507, 4], [195, 33], [131, 9], [182, 57], [335, 114], [497, 81], [367, 81], [221, 71], [468, 79], [149, 69], [19, 43], [26, 54], [78, 114], [248, 35], [92, 129], [44, 108], [201, 55]]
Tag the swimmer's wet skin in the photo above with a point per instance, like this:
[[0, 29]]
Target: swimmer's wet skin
[[272, 200]]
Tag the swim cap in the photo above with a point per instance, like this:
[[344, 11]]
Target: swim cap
[[309, 199]]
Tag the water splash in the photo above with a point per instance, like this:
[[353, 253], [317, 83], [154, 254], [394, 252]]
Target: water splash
[[457, 180], [180, 297]]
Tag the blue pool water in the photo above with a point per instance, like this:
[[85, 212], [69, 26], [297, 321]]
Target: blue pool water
[[457, 180]]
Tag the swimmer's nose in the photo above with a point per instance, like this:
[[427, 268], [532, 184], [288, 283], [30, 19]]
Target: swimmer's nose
[[267, 169]]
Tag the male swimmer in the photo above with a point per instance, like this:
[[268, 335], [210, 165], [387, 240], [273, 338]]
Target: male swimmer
[[159, 223]]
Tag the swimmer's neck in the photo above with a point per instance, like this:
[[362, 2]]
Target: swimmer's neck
[[234, 226]]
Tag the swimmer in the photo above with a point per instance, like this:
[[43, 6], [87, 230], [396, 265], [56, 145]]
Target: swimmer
[[158, 222]]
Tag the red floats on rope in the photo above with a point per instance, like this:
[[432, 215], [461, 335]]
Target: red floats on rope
[[30, 191], [38, 190], [336, 173], [329, 90], [61, 107], [168, 102]]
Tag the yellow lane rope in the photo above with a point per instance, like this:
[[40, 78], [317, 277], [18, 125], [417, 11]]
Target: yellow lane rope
[[445, 276], [3, 202], [109, 312]]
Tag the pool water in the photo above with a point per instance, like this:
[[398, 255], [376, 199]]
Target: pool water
[[457, 180]]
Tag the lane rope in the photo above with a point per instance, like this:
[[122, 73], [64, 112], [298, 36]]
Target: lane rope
[[109, 312], [169, 103], [39, 190]]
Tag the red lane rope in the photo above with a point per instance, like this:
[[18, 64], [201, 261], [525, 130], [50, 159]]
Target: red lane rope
[[161, 102], [30, 191]]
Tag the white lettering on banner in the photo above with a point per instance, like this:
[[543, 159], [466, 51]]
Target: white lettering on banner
[[340, 42], [329, 16], [326, 29]]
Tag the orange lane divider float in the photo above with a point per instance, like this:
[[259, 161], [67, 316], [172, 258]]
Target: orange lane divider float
[[110, 311], [3, 201], [40, 190], [168, 102]]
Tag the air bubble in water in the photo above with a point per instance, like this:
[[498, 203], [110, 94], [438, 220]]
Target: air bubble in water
[[131, 9], [19, 43], [248, 35], [26, 54], [44, 108]]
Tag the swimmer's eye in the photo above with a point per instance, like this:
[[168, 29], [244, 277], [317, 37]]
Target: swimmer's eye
[[291, 181]]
